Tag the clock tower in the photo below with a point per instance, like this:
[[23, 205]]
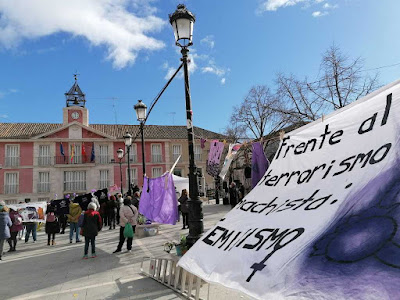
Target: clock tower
[[75, 110]]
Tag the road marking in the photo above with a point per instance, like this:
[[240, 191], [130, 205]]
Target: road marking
[[45, 294]]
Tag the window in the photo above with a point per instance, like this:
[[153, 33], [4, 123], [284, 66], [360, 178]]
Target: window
[[156, 172], [12, 156], [178, 172], [44, 155], [156, 156], [75, 154], [133, 177], [103, 154], [44, 182], [176, 151], [103, 179], [74, 180], [11, 183], [133, 153], [197, 153]]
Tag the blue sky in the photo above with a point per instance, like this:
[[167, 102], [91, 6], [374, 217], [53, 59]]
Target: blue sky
[[124, 49]]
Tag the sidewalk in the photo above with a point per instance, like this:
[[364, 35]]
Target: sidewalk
[[38, 271]]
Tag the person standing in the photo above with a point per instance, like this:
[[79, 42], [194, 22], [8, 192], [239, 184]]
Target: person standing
[[120, 202], [75, 211], [30, 227], [17, 226], [183, 200], [128, 214], [233, 194], [91, 227], [136, 199], [111, 211], [5, 224], [96, 202], [52, 225]]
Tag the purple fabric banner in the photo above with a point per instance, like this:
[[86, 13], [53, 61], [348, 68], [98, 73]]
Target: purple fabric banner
[[214, 157], [158, 201], [259, 164]]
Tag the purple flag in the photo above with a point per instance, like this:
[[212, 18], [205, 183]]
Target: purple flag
[[214, 157], [158, 201], [259, 164]]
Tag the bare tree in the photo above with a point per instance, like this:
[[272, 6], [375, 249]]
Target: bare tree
[[341, 81], [257, 114]]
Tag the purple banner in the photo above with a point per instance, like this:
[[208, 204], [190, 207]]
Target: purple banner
[[158, 200], [214, 157], [259, 164]]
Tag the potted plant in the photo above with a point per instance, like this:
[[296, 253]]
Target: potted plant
[[180, 246]]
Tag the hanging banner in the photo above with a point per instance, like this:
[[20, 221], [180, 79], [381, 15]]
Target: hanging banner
[[233, 149], [61, 206], [83, 200], [259, 163], [158, 200], [31, 212], [323, 222], [214, 158]]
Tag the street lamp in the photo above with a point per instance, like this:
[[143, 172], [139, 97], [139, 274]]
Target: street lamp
[[120, 154], [182, 22], [141, 110], [128, 143]]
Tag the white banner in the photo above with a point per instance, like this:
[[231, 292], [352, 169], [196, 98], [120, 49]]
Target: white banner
[[233, 149], [322, 222], [31, 212]]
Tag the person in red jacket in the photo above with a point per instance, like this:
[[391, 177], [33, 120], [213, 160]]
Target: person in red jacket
[[17, 226], [90, 227]]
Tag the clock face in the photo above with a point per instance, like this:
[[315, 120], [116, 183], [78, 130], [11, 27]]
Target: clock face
[[75, 115]]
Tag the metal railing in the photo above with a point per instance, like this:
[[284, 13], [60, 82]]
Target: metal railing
[[11, 188], [67, 160], [43, 187], [166, 272], [11, 162], [156, 158], [43, 161]]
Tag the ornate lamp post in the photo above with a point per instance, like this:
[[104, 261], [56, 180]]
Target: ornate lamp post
[[128, 143], [120, 154], [182, 22], [141, 110]]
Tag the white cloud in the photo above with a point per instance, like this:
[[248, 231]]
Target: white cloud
[[329, 6], [213, 70], [273, 5], [8, 92], [223, 81], [317, 14], [122, 26], [192, 67], [319, 1], [208, 41], [3, 116]]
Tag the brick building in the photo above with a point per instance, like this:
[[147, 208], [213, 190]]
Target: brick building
[[39, 160]]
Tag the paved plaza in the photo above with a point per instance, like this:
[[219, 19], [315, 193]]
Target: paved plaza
[[38, 271]]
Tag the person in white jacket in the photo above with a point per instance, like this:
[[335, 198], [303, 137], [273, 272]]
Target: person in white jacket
[[95, 201], [128, 214]]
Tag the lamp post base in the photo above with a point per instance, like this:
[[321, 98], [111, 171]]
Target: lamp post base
[[196, 227]]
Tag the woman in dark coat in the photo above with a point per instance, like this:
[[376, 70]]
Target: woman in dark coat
[[91, 226], [184, 208], [52, 225]]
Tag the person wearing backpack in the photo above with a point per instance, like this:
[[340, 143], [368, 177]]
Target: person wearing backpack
[[17, 226], [52, 225], [128, 214], [5, 224], [91, 226]]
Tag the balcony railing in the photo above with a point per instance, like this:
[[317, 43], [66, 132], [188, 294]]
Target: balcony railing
[[43, 161], [11, 161], [104, 184], [67, 160], [11, 189], [156, 158], [43, 187], [75, 186]]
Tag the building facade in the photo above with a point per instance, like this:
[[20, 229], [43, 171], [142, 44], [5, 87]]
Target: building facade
[[41, 160]]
